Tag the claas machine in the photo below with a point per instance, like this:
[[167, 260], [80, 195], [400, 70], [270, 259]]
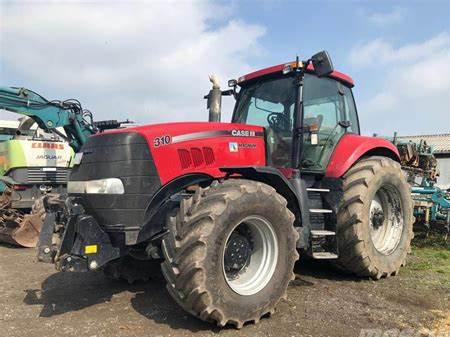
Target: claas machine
[[35, 162], [226, 207], [32, 163]]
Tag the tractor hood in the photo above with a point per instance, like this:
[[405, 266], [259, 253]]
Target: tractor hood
[[197, 147], [201, 147], [139, 161]]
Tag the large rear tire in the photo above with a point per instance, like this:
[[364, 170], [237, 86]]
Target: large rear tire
[[230, 252], [375, 218]]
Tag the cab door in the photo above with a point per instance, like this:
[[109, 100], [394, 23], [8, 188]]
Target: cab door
[[329, 113]]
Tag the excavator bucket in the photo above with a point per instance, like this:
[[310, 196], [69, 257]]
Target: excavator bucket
[[17, 228], [22, 231]]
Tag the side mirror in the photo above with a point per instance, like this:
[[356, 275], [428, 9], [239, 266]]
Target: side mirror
[[322, 63], [345, 124]]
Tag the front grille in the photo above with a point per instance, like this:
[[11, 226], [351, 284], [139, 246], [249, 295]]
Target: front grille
[[123, 155], [37, 175]]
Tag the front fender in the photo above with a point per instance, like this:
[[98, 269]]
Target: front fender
[[154, 219], [353, 147]]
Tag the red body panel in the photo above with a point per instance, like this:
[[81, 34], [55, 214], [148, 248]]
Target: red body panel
[[229, 145], [279, 68], [352, 147], [202, 147]]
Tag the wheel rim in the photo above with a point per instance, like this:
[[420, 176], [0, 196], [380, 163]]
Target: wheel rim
[[250, 256], [386, 220]]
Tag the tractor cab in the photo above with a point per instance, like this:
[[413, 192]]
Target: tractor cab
[[268, 98]]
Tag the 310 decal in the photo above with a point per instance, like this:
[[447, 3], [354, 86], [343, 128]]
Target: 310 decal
[[162, 140]]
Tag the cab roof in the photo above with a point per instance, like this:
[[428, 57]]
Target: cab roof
[[279, 68]]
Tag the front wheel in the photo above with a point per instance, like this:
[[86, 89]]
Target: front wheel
[[230, 252], [375, 219]]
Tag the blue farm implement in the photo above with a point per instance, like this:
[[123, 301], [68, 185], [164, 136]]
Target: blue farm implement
[[431, 203]]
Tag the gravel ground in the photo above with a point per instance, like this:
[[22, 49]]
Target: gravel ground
[[37, 301]]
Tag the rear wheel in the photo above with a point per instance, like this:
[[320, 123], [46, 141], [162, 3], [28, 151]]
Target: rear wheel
[[230, 252], [375, 219]]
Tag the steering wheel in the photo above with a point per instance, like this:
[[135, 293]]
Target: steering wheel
[[279, 122]]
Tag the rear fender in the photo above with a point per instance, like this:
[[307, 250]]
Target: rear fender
[[351, 148]]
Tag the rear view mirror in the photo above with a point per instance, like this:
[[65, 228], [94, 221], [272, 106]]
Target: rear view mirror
[[322, 63]]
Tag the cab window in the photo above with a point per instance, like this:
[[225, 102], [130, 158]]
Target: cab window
[[350, 110], [324, 108]]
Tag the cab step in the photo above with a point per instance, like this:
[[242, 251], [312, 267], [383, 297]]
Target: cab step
[[319, 190], [324, 256], [323, 244], [320, 210], [320, 232]]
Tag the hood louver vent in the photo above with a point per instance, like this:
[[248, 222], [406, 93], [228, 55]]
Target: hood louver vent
[[185, 158], [196, 157]]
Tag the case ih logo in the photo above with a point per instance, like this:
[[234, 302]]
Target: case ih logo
[[53, 146], [243, 133]]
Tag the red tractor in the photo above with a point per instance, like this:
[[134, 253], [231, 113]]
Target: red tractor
[[225, 207]]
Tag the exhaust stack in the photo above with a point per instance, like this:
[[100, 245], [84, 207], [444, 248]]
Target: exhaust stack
[[214, 97]]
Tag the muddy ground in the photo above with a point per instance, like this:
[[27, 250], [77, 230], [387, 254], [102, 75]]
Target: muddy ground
[[37, 301]]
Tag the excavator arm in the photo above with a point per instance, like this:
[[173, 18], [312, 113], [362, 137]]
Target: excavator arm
[[50, 115]]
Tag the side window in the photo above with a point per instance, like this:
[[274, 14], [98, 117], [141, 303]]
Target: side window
[[325, 114], [322, 103], [350, 110], [324, 108]]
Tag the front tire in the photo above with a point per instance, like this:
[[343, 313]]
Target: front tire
[[375, 219], [230, 252]]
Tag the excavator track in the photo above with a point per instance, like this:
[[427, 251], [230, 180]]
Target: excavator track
[[19, 228]]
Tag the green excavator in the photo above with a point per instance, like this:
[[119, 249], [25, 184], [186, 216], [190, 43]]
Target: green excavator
[[33, 165]]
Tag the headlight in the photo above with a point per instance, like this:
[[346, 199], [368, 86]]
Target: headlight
[[100, 186]]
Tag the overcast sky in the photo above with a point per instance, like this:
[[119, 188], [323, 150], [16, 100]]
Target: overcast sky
[[149, 60]]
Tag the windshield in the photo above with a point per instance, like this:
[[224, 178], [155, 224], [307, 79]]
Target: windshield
[[9, 133], [270, 104], [266, 103]]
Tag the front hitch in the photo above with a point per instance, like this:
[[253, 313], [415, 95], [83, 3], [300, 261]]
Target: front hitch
[[52, 228], [73, 240]]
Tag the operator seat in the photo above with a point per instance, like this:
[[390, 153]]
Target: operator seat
[[312, 152], [279, 149]]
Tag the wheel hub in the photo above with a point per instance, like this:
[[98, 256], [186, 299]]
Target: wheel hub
[[237, 253], [377, 218], [386, 220], [250, 256]]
